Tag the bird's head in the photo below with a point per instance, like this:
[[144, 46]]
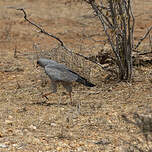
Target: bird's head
[[42, 62]]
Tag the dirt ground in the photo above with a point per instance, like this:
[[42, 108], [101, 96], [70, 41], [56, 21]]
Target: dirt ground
[[109, 117]]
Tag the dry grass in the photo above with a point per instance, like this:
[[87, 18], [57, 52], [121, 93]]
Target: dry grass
[[103, 117]]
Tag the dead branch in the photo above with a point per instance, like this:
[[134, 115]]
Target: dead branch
[[37, 26], [15, 52], [141, 39], [59, 40], [145, 53]]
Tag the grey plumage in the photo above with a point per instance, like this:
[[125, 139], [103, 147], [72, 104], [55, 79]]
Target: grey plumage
[[60, 73]]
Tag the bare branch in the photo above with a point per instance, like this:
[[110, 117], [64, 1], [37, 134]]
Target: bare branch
[[100, 16], [61, 42], [145, 53], [108, 70], [133, 25], [150, 42], [41, 30], [141, 39], [15, 52]]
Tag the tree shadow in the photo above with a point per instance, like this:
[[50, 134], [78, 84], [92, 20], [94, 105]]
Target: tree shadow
[[144, 123]]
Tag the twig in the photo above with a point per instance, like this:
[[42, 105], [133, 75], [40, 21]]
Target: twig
[[41, 30], [145, 53], [15, 52], [59, 40], [150, 42], [141, 39]]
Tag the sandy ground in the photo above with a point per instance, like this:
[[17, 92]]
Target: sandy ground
[[102, 118]]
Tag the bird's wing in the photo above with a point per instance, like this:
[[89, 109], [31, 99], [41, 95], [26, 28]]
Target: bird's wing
[[54, 63], [59, 73]]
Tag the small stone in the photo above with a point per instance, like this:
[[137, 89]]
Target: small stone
[[79, 149], [9, 122], [33, 127], [10, 117], [103, 142], [53, 124], [3, 145], [14, 145], [59, 148]]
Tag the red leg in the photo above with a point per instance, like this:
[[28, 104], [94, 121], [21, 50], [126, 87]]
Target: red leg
[[46, 94], [70, 97]]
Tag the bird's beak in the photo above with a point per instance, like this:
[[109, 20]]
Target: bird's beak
[[37, 65]]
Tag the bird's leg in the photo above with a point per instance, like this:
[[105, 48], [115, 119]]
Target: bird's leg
[[46, 94], [70, 98], [68, 87], [59, 100]]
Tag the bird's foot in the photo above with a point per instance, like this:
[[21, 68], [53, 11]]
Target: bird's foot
[[45, 96]]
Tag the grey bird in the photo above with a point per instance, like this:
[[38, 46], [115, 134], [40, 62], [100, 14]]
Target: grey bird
[[59, 73]]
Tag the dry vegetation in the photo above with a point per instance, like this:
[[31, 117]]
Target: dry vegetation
[[109, 117]]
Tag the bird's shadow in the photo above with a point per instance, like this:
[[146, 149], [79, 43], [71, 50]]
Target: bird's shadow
[[45, 103]]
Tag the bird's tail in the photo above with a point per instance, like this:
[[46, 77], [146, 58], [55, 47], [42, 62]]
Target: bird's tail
[[85, 82]]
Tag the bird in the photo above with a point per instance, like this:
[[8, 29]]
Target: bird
[[59, 73]]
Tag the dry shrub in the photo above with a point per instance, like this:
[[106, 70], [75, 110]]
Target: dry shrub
[[78, 64]]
